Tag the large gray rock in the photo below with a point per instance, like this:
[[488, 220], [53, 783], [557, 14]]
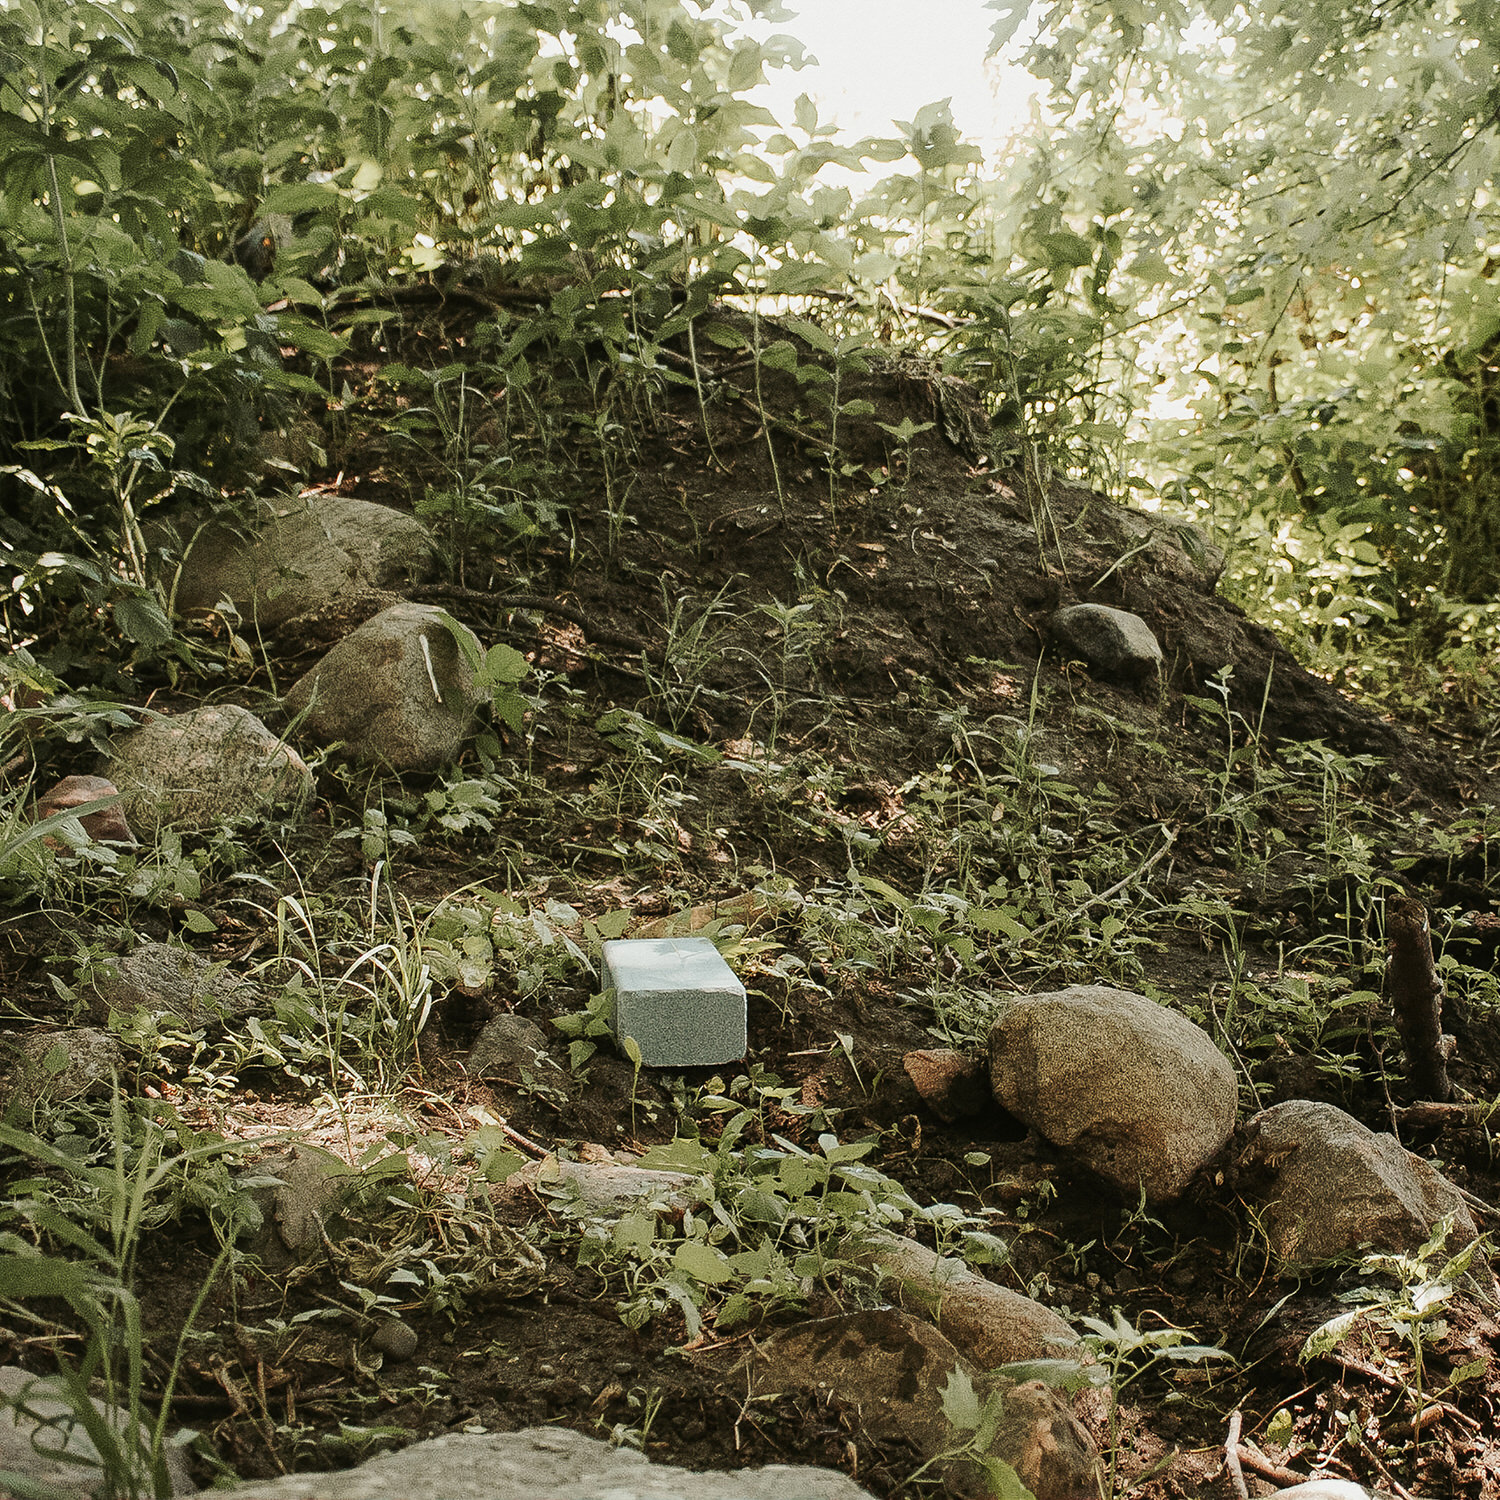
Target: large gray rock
[[1134, 1091], [42, 1442], [206, 767], [396, 692], [1336, 1187], [543, 1463], [71, 1063], [164, 980], [1112, 641], [295, 555], [985, 1322], [888, 1370]]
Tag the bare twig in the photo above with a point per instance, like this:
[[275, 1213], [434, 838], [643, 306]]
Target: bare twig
[[1257, 1462], [1232, 1455], [1427, 1115]]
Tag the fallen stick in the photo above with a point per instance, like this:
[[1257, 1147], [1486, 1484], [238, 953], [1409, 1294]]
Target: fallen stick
[[1232, 1455]]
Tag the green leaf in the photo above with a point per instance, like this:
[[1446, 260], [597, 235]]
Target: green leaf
[[961, 1404], [141, 619], [702, 1262]]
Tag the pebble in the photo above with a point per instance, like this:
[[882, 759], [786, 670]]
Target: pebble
[[396, 1340]]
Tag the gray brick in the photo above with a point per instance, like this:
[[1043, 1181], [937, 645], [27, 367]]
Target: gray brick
[[678, 999]]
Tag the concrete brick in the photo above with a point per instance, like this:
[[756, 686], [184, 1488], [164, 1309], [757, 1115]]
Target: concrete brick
[[678, 999]]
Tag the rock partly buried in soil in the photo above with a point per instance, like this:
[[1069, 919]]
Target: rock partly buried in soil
[[989, 1324], [1170, 549], [1134, 1091], [604, 1188], [296, 555], [299, 1193], [397, 692], [200, 769], [1114, 642], [40, 1442], [73, 1063], [164, 980], [506, 1046], [543, 1463], [887, 1371], [106, 825], [952, 1085], [1336, 1186]]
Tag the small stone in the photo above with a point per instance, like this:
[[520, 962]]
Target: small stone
[[952, 1086], [106, 825], [72, 1063], [678, 999], [396, 1340], [298, 1191], [505, 1046], [1112, 641], [604, 1188]]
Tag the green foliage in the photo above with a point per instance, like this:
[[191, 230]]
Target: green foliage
[[1273, 225], [1426, 1281], [71, 1235]]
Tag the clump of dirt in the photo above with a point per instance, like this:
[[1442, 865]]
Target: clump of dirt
[[848, 658]]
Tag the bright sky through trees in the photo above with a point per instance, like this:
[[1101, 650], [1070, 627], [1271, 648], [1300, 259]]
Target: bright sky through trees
[[882, 60]]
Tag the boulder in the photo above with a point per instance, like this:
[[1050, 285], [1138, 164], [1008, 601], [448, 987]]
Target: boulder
[[1132, 1090], [542, 1463], [987, 1323], [200, 769], [1335, 1187], [43, 1442], [295, 555], [1114, 642], [888, 1370], [165, 980], [396, 692]]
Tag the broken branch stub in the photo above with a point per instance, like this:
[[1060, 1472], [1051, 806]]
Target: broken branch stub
[[1415, 990]]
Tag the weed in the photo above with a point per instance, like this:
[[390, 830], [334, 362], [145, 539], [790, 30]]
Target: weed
[[100, 1212], [1412, 1310]]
